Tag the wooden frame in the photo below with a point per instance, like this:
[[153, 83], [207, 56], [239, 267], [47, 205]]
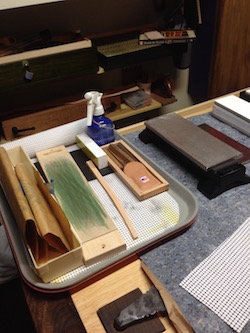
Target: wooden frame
[[139, 193]]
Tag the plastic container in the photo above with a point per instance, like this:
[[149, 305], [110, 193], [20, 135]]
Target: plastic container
[[101, 130], [137, 99]]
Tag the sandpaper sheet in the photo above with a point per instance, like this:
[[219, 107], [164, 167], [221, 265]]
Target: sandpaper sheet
[[192, 141]]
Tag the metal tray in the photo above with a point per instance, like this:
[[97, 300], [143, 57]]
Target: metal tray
[[188, 209]]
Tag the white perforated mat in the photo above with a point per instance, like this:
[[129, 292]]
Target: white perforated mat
[[222, 281]]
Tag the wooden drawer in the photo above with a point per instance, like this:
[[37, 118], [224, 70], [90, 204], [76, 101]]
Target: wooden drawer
[[28, 78], [47, 68], [39, 121]]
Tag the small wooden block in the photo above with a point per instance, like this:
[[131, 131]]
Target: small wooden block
[[98, 248], [109, 312], [97, 295]]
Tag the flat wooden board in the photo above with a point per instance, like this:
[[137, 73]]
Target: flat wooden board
[[95, 296], [112, 310], [92, 224]]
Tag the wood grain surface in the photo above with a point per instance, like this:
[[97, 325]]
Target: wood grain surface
[[231, 65], [119, 156], [53, 312], [90, 299], [44, 119]]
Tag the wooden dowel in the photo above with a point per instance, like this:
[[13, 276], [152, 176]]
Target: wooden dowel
[[120, 154], [113, 197], [110, 155], [128, 153]]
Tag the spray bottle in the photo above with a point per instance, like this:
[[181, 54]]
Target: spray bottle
[[99, 127]]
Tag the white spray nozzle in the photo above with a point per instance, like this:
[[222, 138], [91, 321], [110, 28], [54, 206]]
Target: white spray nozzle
[[95, 107]]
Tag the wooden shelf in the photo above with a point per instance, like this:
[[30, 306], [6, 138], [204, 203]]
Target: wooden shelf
[[56, 116], [126, 111], [193, 110]]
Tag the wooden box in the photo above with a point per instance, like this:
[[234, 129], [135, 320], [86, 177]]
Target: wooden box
[[145, 181], [56, 266]]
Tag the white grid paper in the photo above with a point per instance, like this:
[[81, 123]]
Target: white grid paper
[[222, 280]]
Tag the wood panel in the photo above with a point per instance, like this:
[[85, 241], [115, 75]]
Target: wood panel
[[43, 120], [60, 115], [220, 60], [90, 299], [53, 313], [231, 59]]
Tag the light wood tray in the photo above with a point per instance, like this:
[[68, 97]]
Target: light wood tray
[[140, 194]]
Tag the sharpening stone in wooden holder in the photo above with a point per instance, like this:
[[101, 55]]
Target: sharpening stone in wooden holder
[[216, 162]]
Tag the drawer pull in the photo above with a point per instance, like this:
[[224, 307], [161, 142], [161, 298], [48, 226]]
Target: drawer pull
[[15, 130], [28, 75]]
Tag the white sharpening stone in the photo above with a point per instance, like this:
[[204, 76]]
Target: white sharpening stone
[[92, 150]]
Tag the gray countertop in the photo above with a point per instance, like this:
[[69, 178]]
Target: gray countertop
[[217, 219]]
